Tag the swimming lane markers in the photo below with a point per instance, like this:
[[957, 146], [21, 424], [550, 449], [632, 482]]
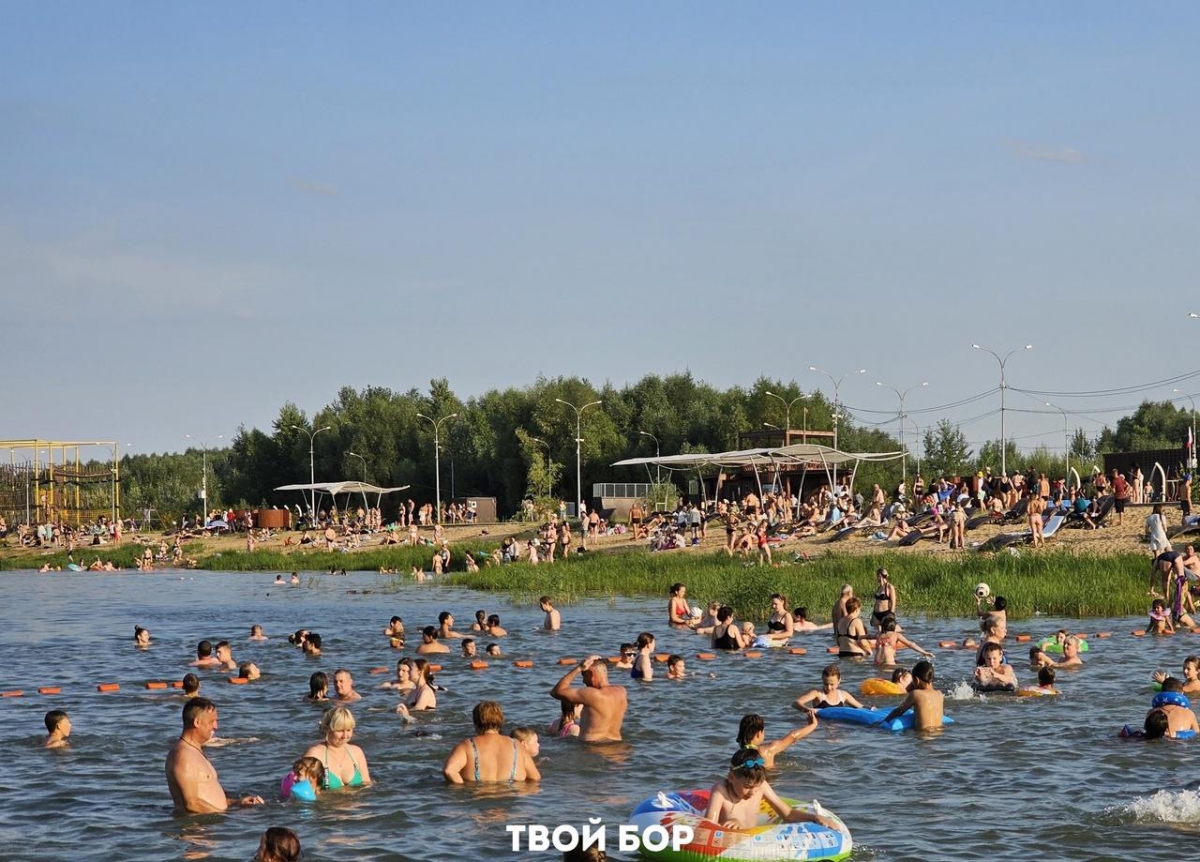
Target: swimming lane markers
[[50, 689], [14, 693], [108, 686], [752, 654], [238, 680], [523, 662], [567, 661], [375, 670], [479, 665], [797, 650], [155, 686], [705, 656]]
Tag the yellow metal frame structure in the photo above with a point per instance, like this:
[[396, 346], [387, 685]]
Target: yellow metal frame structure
[[68, 453]]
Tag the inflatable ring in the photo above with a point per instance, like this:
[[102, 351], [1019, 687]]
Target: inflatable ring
[[876, 687], [1035, 691], [1051, 645], [290, 788], [768, 839], [1171, 698]]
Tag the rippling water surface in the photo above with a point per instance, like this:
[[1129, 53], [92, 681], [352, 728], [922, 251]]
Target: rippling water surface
[[1012, 779]]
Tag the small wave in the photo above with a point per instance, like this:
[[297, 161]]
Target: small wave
[[1167, 806], [962, 690]]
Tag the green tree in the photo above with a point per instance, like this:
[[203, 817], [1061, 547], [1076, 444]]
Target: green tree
[[946, 450], [1154, 425]]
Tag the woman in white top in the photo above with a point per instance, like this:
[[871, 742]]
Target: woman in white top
[[1156, 528]]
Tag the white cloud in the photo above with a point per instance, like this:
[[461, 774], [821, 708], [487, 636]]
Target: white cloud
[[1042, 153], [312, 187]]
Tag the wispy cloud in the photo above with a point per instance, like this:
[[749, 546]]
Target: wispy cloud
[[312, 187], [1042, 153]]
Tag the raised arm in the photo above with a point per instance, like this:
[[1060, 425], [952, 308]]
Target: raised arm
[[564, 691], [781, 745]]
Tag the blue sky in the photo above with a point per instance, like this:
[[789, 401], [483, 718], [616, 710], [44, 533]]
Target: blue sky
[[209, 209]]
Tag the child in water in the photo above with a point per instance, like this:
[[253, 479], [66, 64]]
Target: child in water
[[994, 675], [828, 694], [1160, 620], [753, 731], [923, 699], [676, 667], [304, 781], [735, 799], [1046, 681], [59, 727], [1191, 675], [890, 640]]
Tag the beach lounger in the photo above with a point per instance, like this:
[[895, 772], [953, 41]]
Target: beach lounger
[[1004, 540], [1017, 512], [912, 538]]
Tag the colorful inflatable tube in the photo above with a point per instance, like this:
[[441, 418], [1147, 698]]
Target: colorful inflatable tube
[[1051, 645], [770, 839], [876, 687], [871, 717]]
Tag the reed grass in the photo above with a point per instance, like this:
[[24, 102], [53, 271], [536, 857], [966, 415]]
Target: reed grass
[[1054, 583], [402, 558]]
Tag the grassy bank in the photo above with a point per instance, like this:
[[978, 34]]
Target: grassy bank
[[398, 557], [1054, 583]]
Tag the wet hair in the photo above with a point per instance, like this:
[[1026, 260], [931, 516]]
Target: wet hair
[[54, 718], [832, 671], [191, 683], [626, 647], [314, 639], [644, 640], [675, 588], [1046, 676], [195, 707], [923, 671], [1001, 604], [989, 648], [852, 604], [312, 767], [466, 641], [751, 725], [1172, 683], [523, 734], [279, 844], [204, 649], [888, 623], [1157, 724], [493, 620], [1193, 661], [674, 659], [430, 632], [137, 632], [899, 674], [297, 637], [255, 628], [221, 644], [480, 616], [487, 715], [244, 669], [443, 616], [990, 625], [338, 718], [801, 612], [725, 613], [1035, 653], [317, 683], [568, 708], [421, 666], [748, 763], [493, 649], [395, 620]]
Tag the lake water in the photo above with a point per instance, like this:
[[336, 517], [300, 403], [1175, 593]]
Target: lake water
[[1012, 779]]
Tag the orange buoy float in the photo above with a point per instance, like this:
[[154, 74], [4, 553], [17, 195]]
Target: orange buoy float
[[1024, 639], [523, 662], [50, 689], [177, 684], [108, 686], [1103, 634], [832, 650], [567, 661], [379, 669], [16, 692], [661, 657], [479, 665], [797, 650], [435, 668], [238, 680], [155, 686], [752, 653], [1140, 633], [706, 656]]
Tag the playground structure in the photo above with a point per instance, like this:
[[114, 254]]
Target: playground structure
[[50, 481]]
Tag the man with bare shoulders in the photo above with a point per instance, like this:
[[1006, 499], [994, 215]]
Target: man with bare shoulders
[[553, 621], [603, 704], [204, 656], [190, 777]]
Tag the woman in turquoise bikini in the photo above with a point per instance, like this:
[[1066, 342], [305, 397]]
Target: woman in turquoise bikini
[[345, 764], [489, 757]]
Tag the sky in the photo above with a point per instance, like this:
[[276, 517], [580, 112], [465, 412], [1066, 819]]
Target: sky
[[207, 210]]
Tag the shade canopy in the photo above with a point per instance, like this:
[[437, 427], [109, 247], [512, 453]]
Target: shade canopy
[[796, 455], [342, 488]]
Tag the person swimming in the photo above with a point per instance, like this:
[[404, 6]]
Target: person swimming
[[829, 694], [345, 764]]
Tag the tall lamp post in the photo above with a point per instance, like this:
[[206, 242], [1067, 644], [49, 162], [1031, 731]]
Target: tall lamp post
[[903, 448], [787, 422], [578, 454], [437, 457], [1192, 453], [1003, 385], [312, 470], [837, 395], [204, 472], [1066, 443], [657, 454]]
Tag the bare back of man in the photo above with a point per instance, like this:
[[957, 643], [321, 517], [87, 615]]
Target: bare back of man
[[604, 705]]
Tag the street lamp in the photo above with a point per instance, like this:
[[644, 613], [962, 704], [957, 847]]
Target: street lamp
[[657, 454], [204, 472], [788, 421], [1003, 386], [364, 462], [578, 455], [312, 470], [903, 448], [1192, 448], [1067, 442], [437, 457], [837, 397]]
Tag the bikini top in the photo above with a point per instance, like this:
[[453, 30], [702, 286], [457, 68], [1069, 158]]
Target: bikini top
[[512, 776], [333, 782], [776, 626]]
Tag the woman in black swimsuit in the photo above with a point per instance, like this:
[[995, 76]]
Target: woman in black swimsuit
[[828, 694], [780, 626], [852, 638], [725, 634], [885, 599]]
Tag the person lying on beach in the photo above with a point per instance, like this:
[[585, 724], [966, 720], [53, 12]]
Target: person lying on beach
[[923, 699], [735, 800], [828, 694], [752, 734], [994, 675]]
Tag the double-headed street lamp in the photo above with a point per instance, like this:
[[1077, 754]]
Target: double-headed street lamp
[[1003, 385], [578, 455], [837, 395], [312, 470], [903, 448], [437, 457], [204, 472], [788, 420]]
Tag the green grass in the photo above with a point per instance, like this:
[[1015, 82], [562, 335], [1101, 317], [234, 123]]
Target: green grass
[[399, 557], [1054, 583], [124, 556]]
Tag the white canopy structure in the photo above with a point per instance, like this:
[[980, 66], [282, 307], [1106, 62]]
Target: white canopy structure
[[802, 456], [348, 488]]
